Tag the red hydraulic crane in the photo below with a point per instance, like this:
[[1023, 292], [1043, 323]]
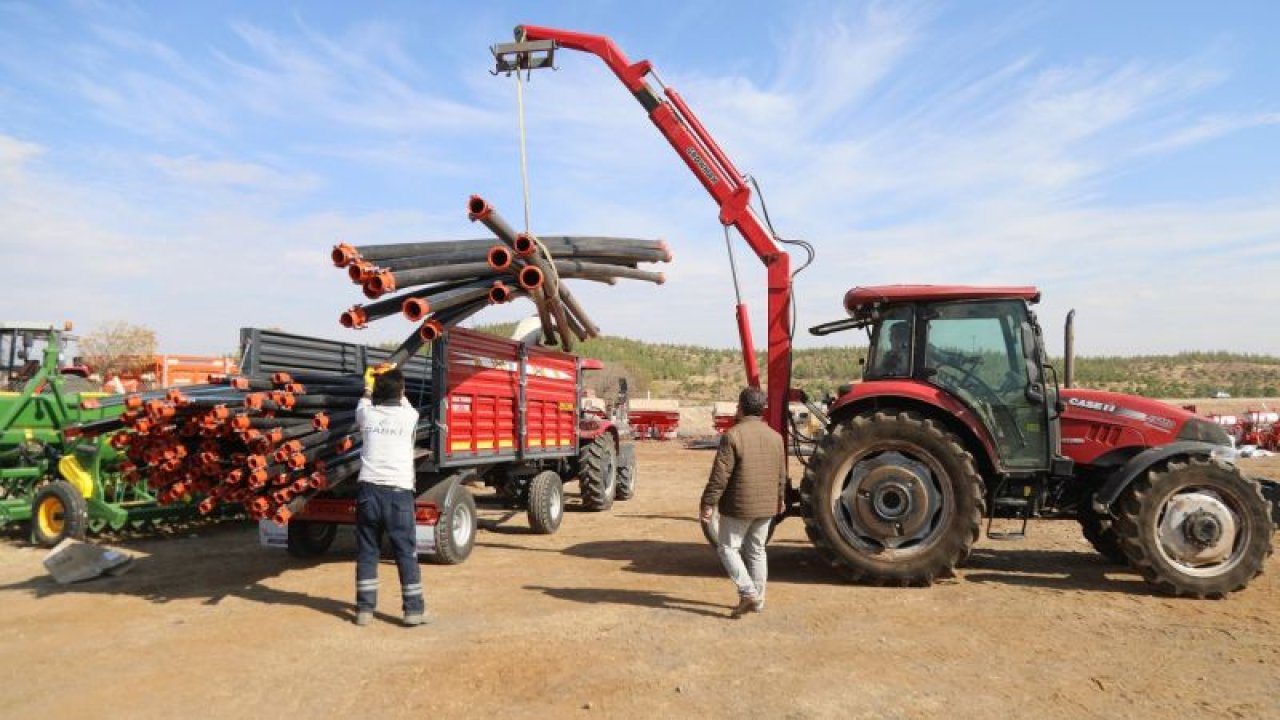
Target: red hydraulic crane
[[535, 48]]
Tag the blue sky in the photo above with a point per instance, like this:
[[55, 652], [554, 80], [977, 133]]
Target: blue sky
[[187, 165]]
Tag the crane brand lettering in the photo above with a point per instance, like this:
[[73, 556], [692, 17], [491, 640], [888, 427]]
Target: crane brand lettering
[[703, 167]]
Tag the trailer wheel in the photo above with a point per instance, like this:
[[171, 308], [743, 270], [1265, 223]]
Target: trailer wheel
[[627, 474], [598, 474], [58, 512], [1100, 531], [546, 502], [892, 498], [310, 539], [456, 528], [1195, 528]]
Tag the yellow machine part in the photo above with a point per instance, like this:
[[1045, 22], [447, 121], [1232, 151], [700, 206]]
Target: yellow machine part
[[75, 474]]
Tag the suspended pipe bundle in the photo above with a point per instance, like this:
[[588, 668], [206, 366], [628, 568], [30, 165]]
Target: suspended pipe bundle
[[443, 283]]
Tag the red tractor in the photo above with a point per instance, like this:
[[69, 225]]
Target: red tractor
[[959, 416]]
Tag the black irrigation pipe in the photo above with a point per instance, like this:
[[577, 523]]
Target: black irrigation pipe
[[545, 298], [575, 269], [386, 281], [344, 255], [363, 314]]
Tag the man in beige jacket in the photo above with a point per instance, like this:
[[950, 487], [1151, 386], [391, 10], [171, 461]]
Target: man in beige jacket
[[746, 484]]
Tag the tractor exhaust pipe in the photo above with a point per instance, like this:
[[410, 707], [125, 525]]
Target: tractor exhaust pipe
[[1069, 350]]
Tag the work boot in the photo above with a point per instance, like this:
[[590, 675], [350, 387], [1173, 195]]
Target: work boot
[[364, 617], [415, 619], [746, 604]]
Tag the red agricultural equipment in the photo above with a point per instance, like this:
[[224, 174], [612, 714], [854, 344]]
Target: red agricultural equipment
[[723, 416], [654, 419], [959, 415], [1260, 428]]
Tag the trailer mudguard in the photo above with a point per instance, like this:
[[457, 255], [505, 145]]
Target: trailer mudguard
[[439, 491], [1140, 463]]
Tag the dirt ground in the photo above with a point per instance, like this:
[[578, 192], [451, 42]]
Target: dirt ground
[[624, 614]]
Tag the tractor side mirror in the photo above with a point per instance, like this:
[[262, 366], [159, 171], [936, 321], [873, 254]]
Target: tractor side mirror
[[1035, 392]]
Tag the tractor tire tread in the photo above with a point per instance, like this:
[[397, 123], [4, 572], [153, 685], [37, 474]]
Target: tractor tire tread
[[1136, 502], [542, 519], [953, 550], [597, 488], [448, 552], [75, 513]]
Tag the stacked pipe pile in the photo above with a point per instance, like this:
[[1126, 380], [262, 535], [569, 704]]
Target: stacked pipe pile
[[444, 283], [266, 444], [253, 442]]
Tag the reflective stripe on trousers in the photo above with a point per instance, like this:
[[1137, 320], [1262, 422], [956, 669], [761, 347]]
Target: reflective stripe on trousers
[[383, 509]]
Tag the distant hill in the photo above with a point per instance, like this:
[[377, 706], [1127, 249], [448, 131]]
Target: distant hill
[[700, 374]]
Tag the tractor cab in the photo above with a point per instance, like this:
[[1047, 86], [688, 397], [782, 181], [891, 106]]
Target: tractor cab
[[982, 346], [976, 351], [28, 347]]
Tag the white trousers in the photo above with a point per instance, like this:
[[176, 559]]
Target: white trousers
[[741, 549]]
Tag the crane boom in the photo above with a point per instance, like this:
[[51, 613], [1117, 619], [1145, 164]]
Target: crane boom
[[714, 170]]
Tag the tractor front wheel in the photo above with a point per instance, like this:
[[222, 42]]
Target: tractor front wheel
[[892, 498], [1196, 527], [58, 512]]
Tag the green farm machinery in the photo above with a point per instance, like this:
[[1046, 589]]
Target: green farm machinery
[[63, 482]]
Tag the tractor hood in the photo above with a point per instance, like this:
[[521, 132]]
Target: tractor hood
[[1096, 422]]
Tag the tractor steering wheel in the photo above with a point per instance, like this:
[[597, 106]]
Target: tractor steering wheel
[[988, 402]]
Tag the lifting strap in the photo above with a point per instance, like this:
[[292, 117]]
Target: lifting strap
[[554, 279]]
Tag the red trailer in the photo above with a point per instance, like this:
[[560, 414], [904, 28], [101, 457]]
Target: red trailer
[[493, 410]]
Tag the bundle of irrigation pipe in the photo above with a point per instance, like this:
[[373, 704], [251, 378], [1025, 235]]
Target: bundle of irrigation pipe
[[443, 283]]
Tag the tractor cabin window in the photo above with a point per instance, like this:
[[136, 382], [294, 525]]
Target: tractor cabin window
[[891, 348], [974, 351]]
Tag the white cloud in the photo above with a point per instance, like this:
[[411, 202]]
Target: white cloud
[[328, 80], [14, 153], [239, 175], [1210, 128]]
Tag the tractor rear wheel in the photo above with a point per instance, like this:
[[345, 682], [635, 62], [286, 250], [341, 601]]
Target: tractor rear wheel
[[598, 474], [1196, 527], [58, 512], [1100, 531], [892, 498], [546, 502]]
